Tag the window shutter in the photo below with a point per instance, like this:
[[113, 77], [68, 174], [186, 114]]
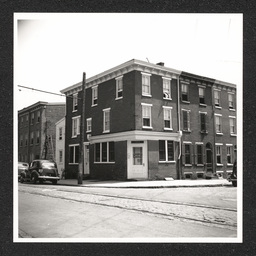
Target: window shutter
[[195, 154], [183, 154], [192, 153]]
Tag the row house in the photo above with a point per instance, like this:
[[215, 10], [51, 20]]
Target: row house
[[144, 121], [37, 132]]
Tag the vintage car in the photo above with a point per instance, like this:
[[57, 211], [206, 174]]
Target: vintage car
[[22, 167], [41, 170], [233, 177]]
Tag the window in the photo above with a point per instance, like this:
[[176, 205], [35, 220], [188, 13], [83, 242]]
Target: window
[[106, 120], [218, 154], [26, 118], [229, 154], [187, 154], [166, 150], [38, 116], [88, 124], [61, 156], [119, 87], [26, 139], [201, 92], [203, 117], [218, 124], [231, 101], [60, 133], [104, 152], [146, 115], [31, 138], [232, 124], [94, 95], [167, 118], [75, 102], [32, 118], [186, 120], [73, 154], [167, 88], [21, 140], [37, 137], [146, 91], [217, 98], [75, 126], [184, 92], [199, 154]]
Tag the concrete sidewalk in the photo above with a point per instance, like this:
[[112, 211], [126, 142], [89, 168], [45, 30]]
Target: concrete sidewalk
[[148, 184]]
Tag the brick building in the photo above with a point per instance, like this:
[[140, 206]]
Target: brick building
[[142, 122], [36, 130]]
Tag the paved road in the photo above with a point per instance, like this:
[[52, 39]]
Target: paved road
[[132, 213]]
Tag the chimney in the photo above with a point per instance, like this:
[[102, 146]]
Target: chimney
[[160, 64]]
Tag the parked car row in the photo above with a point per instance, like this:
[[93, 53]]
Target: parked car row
[[38, 170]]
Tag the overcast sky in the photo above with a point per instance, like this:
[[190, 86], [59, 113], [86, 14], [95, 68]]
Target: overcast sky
[[51, 51]]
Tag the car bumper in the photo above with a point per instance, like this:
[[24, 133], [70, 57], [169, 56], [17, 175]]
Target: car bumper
[[48, 178]]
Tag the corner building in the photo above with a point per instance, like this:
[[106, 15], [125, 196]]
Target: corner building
[[133, 127]]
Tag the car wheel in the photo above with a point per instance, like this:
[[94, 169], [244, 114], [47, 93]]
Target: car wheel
[[234, 183], [34, 178], [54, 182]]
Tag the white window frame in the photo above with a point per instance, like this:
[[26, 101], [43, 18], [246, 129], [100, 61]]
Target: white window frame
[[218, 150], [202, 153], [144, 93], [143, 110], [201, 96], [188, 122], [119, 87], [167, 95], [95, 95], [217, 102], [106, 123], [185, 92], [74, 154], [108, 153], [190, 153], [230, 147], [205, 114], [167, 110], [232, 125], [75, 102], [218, 117], [89, 124], [166, 153], [75, 120]]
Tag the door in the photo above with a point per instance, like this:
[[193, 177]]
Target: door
[[208, 149], [137, 160], [86, 159]]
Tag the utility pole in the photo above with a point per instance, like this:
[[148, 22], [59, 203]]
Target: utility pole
[[81, 155]]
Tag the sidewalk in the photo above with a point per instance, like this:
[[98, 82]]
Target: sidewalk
[[148, 184]]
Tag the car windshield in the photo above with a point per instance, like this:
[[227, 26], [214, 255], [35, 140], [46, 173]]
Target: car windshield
[[48, 165]]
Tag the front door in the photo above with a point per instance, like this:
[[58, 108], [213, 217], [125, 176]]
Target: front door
[[208, 149], [137, 160], [86, 159]]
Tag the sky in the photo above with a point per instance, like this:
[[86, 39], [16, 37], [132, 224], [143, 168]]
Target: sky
[[51, 51]]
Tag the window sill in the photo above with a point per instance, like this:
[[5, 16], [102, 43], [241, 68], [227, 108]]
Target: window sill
[[147, 95], [73, 163], [167, 98], [229, 164], [147, 127], [200, 165], [188, 165], [218, 107], [89, 131], [219, 133], [202, 105], [232, 109], [233, 135], [188, 131], [118, 98], [104, 162], [168, 129], [186, 102], [75, 136], [167, 162], [106, 131], [219, 164], [204, 132], [74, 110], [94, 105]]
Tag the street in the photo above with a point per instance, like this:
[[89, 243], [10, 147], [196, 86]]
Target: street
[[48, 211]]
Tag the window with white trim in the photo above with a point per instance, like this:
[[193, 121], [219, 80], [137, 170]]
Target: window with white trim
[[106, 120], [232, 125], [218, 154], [119, 87], [186, 120], [184, 92], [203, 118], [75, 126], [199, 157], [218, 123], [88, 124], [167, 118], [60, 133], [146, 115], [217, 98], [75, 102], [229, 154], [166, 150], [231, 100], [146, 90], [95, 95], [73, 154], [201, 92], [167, 88], [104, 152], [187, 153]]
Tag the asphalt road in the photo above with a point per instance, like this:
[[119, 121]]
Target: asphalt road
[[47, 211]]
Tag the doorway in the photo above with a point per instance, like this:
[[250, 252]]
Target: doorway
[[208, 149], [86, 159]]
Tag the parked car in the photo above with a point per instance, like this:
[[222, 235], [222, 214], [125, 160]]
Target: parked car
[[233, 176], [22, 167], [41, 170]]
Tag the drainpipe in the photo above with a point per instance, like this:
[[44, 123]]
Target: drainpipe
[[179, 130], [214, 134]]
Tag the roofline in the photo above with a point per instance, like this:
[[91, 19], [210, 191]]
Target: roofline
[[42, 103], [62, 119], [132, 63]]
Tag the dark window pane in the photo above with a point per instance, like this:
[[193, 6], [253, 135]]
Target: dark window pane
[[170, 151], [111, 152], [76, 154], [104, 152], [71, 154], [162, 150], [97, 152]]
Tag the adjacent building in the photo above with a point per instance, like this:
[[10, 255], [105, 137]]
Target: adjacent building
[[60, 145], [37, 132], [147, 121]]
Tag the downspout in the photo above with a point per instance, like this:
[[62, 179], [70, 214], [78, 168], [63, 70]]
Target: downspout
[[214, 134], [179, 130]]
